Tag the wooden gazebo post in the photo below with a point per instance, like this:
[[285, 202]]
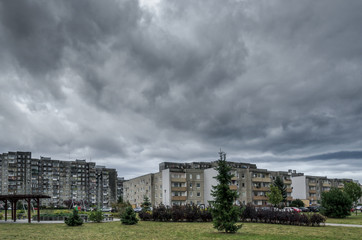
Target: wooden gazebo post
[[6, 210], [29, 212], [38, 204]]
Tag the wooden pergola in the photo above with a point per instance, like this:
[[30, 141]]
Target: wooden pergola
[[13, 199]]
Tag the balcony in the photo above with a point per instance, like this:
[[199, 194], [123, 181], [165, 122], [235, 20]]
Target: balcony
[[312, 191], [259, 179], [233, 187], [289, 198], [313, 184], [260, 198], [179, 198], [326, 185], [179, 189], [312, 198], [261, 189], [287, 182], [178, 180], [234, 178], [289, 190]]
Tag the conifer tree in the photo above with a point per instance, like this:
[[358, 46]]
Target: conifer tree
[[146, 205], [129, 217], [283, 189], [224, 213]]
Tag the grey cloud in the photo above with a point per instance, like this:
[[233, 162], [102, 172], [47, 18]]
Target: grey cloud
[[121, 82]]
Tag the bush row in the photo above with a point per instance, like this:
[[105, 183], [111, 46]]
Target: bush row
[[187, 213], [250, 214]]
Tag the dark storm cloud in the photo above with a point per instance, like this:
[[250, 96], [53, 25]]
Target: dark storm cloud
[[122, 84]]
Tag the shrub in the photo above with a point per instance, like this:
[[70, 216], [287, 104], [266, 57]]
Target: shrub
[[145, 215], [177, 213], [316, 219], [192, 213], [96, 216], [1, 216], [205, 215], [279, 217], [297, 203], [336, 204], [162, 214], [129, 217], [74, 219]]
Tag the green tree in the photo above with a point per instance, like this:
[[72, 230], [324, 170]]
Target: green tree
[[336, 204], [354, 191], [129, 217], [96, 216], [146, 205], [74, 219], [297, 203], [275, 195], [283, 189], [224, 213], [120, 199]]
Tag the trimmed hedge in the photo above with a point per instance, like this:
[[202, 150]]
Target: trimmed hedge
[[250, 214], [186, 213]]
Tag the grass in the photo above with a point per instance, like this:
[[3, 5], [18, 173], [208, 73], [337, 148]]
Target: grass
[[158, 230], [353, 219]]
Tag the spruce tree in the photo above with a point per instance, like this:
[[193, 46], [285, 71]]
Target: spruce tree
[[224, 213], [129, 217], [146, 205], [283, 189]]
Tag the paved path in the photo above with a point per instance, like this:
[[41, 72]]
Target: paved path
[[36, 222], [343, 225]]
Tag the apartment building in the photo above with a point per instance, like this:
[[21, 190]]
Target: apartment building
[[137, 188], [310, 188], [191, 183], [120, 181], [61, 180]]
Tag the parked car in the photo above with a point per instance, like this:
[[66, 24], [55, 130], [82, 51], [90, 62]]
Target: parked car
[[138, 209], [304, 209], [314, 208], [106, 209], [288, 209], [359, 208], [296, 209]]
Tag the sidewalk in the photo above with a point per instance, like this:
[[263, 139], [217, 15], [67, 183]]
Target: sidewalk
[[22, 221], [343, 225]]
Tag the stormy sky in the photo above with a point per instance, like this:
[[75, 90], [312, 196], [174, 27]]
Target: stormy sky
[[129, 84]]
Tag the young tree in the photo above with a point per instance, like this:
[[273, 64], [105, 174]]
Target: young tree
[[224, 213], [336, 204], [129, 217], [275, 195], [283, 189], [96, 216], [146, 205], [354, 191], [297, 203], [74, 219]]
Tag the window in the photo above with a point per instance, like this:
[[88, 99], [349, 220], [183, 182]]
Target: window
[[243, 184], [190, 185], [198, 176], [190, 176], [198, 194], [198, 185], [191, 194]]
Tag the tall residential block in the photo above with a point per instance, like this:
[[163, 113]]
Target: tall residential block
[[61, 180]]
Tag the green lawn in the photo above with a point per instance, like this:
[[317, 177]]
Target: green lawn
[[353, 219], [157, 230]]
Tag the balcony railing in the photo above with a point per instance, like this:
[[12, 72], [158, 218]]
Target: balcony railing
[[312, 191], [179, 198], [312, 184], [178, 179], [261, 189], [233, 187], [259, 179], [260, 198], [287, 182], [179, 189], [289, 190], [326, 184]]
